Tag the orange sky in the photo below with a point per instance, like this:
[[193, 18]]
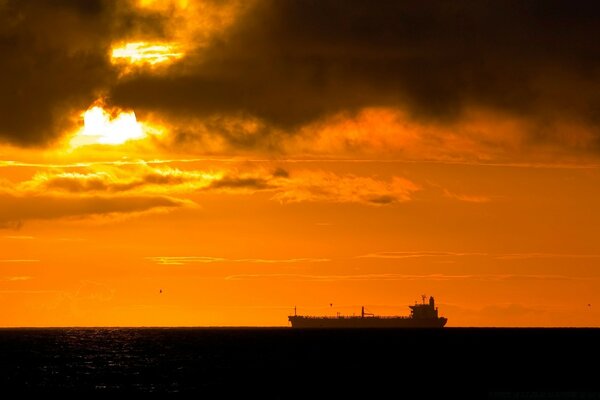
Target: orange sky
[[238, 218]]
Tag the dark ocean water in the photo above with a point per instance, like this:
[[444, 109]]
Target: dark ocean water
[[282, 363]]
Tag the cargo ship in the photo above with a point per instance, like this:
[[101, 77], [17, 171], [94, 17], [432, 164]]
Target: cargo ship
[[424, 315]]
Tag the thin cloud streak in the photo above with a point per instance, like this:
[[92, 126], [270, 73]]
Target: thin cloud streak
[[467, 197], [417, 254], [182, 260], [9, 291], [498, 256], [523, 256], [404, 277], [18, 278]]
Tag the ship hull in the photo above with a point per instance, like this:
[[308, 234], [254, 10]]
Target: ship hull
[[368, 322]]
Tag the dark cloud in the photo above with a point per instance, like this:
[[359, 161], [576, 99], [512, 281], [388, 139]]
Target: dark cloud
[[55, 61], [16, 209], [102, 182], [53, 57], [85, 183], [281, 173], [383, 199], [77, 184], [235, 182], [291, 62]]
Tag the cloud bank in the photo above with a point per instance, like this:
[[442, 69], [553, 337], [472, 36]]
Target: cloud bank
[[288, 64], [285, 187], [256, 76]]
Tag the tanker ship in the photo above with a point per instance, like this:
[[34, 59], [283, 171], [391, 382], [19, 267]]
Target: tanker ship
[[424, 315]]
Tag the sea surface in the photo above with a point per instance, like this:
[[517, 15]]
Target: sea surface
[[287, 363]]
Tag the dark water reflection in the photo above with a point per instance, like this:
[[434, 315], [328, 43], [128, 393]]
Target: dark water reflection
[[283, 362]]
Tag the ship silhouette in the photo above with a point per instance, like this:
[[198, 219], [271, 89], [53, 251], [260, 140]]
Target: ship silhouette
[[424, 315]]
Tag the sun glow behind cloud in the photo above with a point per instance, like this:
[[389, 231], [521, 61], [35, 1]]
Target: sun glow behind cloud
[[103, 127], [141, 53]]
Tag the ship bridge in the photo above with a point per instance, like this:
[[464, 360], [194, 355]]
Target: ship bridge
[[424, 310]]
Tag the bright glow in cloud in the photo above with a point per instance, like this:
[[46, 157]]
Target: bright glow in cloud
[[141, 53], [103, 127]]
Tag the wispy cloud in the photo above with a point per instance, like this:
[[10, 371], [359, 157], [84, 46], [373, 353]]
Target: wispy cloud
[[167, 260], [481, 137], [499, 256], [19, 291], [357, 277], [403, 277], [315, 186], [518, 256], [131, 189], [304, 185], [419, 254], [17, 237], [19, 261], [18, 278], [119, 179], [470, 198]]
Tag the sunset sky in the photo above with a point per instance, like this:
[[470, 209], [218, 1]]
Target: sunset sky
[[246, 157]]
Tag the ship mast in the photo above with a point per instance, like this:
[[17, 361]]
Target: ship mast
[[363, 313]]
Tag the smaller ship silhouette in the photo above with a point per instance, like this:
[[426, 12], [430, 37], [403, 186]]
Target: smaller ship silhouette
[[424, 315]]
